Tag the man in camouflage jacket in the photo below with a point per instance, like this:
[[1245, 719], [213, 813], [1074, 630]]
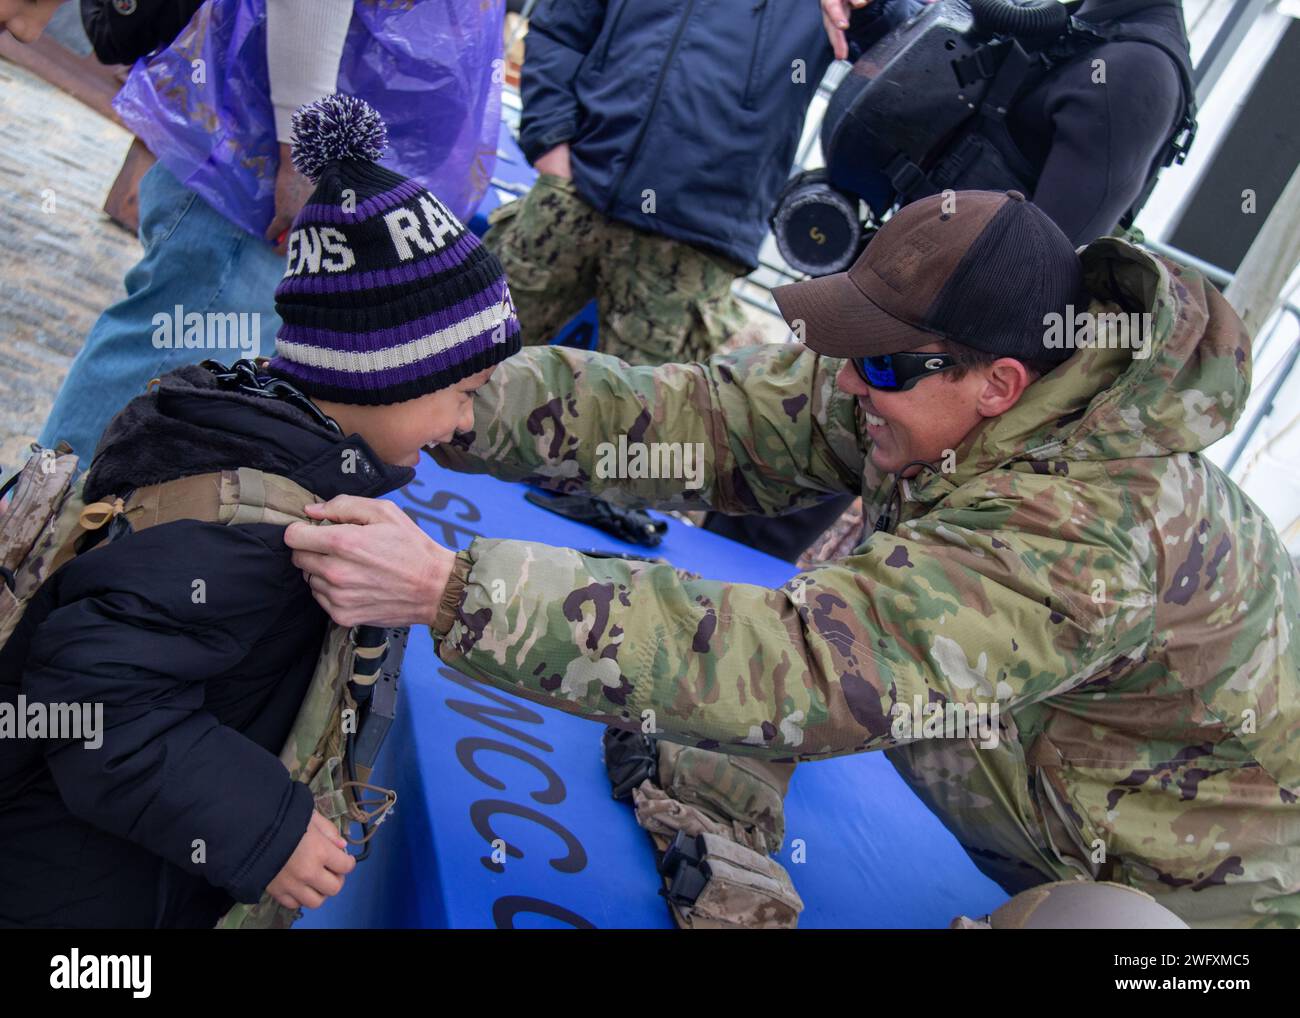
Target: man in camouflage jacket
[[1072, 567]]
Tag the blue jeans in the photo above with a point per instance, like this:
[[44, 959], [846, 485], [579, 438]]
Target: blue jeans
[[195, 259]]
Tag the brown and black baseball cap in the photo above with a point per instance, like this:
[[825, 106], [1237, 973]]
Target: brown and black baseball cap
[[980, 268]]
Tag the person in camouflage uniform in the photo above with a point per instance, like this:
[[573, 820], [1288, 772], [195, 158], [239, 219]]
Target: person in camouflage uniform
[[1077, 563]]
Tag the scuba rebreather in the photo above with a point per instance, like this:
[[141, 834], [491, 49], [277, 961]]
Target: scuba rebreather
[[923, 110]]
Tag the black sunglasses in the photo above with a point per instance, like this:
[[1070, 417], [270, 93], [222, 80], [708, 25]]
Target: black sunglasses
[[897, 372]]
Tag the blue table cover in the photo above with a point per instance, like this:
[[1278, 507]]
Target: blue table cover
[[473, 765]]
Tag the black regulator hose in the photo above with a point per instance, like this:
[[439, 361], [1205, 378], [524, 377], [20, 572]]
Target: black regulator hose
[[1035, 19]]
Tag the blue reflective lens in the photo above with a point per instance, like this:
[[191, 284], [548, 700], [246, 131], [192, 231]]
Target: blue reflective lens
[[880, 371]]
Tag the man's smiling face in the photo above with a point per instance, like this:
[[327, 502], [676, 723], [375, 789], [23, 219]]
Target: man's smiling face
[[934, 415]]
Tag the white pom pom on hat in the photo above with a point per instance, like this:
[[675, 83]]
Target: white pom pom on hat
[[336, 127]]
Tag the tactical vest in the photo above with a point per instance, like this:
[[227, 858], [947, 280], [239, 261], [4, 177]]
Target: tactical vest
[[47, 524]]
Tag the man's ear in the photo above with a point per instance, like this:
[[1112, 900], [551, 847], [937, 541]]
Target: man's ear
[[1004, 382]]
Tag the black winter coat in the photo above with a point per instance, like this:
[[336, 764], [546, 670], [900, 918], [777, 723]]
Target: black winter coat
[[185, 807]]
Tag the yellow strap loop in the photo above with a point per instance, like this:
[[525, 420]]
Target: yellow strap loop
[[97, 514]]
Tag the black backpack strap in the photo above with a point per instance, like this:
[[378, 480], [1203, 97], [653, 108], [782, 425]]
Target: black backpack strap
[[630, 758], [1015, 67]]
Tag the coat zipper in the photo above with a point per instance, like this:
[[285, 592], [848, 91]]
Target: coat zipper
[[762, 8], [654, 101]]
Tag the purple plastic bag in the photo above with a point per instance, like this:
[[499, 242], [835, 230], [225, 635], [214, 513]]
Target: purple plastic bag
[[427, 66]]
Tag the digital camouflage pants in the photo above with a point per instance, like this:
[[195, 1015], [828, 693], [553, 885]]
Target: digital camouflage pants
[[659, 300]]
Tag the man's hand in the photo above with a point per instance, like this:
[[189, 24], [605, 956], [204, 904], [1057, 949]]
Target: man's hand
[[377, 568], [835, 16], [316, 869], [555, 162], [292, 190]]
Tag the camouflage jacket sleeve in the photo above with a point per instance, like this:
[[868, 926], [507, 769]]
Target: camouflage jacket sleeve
[[762, 430], [824, 665]]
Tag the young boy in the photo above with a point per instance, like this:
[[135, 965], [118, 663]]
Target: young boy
[[198, 639]]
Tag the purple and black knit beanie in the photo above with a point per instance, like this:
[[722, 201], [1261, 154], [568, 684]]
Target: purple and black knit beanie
[[387, 296]]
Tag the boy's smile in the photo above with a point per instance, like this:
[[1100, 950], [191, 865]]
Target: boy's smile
[[399, 431]]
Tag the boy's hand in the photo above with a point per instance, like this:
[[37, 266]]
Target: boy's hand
[[316, 869]]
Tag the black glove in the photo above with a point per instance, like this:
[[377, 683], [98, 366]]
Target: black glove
[[630, 758]]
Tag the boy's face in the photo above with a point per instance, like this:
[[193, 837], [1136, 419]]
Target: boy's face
[[25, 20], [398, 432]]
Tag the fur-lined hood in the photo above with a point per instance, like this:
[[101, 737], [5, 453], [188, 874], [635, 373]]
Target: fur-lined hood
[[189, 425]]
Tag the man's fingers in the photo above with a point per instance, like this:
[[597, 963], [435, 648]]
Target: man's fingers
[[835, 16], [303, 537], [319, 585], [312, 563], [336, 614], [835, 19], [351, 509], [334, 596], [344, 605]]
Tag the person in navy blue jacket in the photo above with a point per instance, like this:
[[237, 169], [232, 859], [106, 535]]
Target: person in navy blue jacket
[[663, 131]]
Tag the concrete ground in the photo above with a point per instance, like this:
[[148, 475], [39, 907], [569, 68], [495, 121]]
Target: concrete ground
[[61, 259]]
